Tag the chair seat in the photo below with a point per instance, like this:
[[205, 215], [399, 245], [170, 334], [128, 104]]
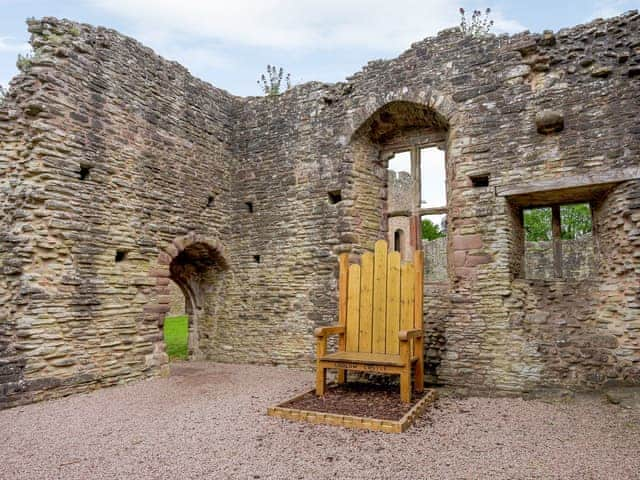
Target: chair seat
[[366, 358]]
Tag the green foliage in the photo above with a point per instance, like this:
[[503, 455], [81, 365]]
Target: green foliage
[[176, 337], [24, 61], [431, 231], [478, 25], [272, 83], [575, 221], [537, 224]]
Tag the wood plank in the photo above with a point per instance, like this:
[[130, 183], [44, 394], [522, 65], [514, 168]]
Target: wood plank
[[407, 281], [364, 358], [353, 309], [366, 302], [379, 297], [343, 284], [393, 303], [418, 264]]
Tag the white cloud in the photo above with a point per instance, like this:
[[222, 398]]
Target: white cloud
[[296, 24], [9, 46], [610, 8]]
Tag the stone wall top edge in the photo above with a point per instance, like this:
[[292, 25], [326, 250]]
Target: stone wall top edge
[[35, 27], [443, 40]]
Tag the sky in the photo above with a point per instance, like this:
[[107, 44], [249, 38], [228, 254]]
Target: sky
[[229, 43]]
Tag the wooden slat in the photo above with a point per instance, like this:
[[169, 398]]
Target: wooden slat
[[366, 358], [343, 286], [366, 302], [353, 308], [407, 273], [379, 297], [393, 303], [418, 263]]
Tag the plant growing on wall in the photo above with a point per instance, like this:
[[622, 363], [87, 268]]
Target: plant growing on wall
[[272, 83], [478, 25]]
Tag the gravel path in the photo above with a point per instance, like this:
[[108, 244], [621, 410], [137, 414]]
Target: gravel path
[[208, 421]]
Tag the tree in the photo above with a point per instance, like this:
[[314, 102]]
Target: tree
[[431, 231], [537, 224], [575, 221], [271, 83], [478, 25]]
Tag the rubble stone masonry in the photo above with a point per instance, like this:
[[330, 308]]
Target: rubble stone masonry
[[120, 171]]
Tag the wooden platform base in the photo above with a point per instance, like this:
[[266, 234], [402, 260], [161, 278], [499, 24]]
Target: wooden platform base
[[349, 421]]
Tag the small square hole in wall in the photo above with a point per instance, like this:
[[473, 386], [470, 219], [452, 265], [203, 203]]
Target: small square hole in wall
[[120, 255], [84, 172], [249, 206], [210, 200], [256, 258], [481, 180], [335, 196]]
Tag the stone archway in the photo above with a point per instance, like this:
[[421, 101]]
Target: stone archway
[[193, 262]]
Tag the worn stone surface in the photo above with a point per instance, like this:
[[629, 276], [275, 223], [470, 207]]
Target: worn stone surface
[[112, 153]]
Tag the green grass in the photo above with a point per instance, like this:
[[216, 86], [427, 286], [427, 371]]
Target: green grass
[[176, 337]]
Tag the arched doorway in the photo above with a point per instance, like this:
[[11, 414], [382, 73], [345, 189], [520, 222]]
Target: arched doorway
[[196, 267]]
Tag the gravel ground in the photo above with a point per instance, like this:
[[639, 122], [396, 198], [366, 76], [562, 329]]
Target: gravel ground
[[208, 421]]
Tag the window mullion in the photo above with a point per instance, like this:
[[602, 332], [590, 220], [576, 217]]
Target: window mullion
[[556, 233]]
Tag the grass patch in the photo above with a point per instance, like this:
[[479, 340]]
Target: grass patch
[[176, 337]]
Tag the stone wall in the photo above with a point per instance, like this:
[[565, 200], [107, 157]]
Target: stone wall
[[177, 304], [101, 168], [435, 260], [231, 197], [578, 261]]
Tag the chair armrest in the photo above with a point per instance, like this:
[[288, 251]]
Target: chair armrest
[[405, 335], [331, 330]]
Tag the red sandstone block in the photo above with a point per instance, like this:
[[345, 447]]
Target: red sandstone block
[[465, 272], [459, 258], [467, 242], [159, 272], [164, 259], [473, 260]]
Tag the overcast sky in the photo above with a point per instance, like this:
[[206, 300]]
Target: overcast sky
[[229, 43]]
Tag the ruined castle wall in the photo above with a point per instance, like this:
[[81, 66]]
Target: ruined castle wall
[[301, 145], [109, 153], [169, 157]]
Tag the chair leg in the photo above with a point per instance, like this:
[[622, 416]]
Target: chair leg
[[342, 376], [321, 380], [419, 379], [405, 385]]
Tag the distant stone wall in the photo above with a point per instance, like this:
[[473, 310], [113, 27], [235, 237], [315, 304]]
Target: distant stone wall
[[435, 260], [177, 305], [400, 185], [578, 261]]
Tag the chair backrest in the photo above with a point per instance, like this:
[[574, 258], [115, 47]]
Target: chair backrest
[[378, 298]]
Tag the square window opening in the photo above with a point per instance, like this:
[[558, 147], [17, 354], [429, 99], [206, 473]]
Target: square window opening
[[558, 242]]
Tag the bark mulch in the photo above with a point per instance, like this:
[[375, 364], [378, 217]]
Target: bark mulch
[[357, 399]]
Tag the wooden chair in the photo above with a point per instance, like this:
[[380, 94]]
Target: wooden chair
[[379, 320]]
